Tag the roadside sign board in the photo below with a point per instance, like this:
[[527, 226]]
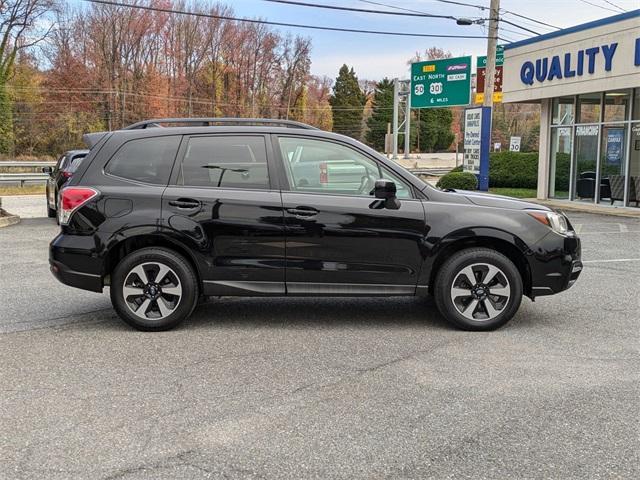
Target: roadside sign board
[[481, 67], [514, 144], [497, 84], [472, 140], [482, 60], [441, 83]]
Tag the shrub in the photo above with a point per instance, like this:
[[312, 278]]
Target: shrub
[[512, 170], [458, 180]]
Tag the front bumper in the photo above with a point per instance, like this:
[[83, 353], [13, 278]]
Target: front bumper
[[555, 264]]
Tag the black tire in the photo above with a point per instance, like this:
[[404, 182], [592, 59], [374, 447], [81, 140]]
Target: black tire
[[51, 213], [479, 259], [180, 268]]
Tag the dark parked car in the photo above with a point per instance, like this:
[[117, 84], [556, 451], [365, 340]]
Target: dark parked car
[[166, 216], [58, 176]]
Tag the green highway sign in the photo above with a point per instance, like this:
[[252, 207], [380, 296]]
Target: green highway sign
[[441, 83], [482, 61]]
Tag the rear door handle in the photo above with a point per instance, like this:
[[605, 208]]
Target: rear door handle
[[303, 211], [185, 203]]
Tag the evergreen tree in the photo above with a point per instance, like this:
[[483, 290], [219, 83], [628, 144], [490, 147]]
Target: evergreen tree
[[381, 114], [434, 129], [347, 104]]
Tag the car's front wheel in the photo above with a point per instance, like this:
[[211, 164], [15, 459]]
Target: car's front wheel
[[154, 289], [478, 289]]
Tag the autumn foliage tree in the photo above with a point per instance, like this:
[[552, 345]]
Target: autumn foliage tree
[[106, 66]]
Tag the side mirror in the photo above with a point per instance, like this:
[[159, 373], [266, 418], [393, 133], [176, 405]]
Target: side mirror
[[384, 189], [48, 170]]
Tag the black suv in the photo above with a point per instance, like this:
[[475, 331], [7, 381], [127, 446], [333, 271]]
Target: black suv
[[66, 165], [170, 211]]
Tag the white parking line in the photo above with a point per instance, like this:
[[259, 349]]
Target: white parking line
[[613, 260]]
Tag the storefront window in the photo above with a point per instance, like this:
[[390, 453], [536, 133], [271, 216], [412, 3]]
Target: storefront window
[[634, 164], [560, 165], [612, 164], [562, 111], [616, 106], [636, 104], [586, 161], [589, 108]]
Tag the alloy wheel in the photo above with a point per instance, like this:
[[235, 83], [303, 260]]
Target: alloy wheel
[[152, 290], [480, 291]]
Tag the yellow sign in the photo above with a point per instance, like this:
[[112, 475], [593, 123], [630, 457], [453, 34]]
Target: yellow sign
[[497, 97], [428, 68]]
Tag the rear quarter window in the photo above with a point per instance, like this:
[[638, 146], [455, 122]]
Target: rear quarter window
[[147, 160]]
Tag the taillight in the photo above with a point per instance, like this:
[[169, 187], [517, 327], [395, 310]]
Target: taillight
[[67, 174], [71, 199]]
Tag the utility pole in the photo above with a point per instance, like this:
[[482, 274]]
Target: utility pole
[[492, 43], [396, 100], [487, 104]]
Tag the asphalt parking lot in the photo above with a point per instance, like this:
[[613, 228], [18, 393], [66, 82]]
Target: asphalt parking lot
[[331, 388]]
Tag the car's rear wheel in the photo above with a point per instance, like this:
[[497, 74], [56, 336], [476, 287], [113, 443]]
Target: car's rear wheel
[[478, 289], [154, 289]]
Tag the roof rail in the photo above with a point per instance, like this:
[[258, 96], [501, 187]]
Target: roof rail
[[212, 121]]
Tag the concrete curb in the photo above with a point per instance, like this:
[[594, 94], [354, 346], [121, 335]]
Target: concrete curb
[[629, 212], [10, 220]]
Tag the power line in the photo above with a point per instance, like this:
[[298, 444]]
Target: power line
[[600, 6], [530, 19], [279, 24], [614, 5], [361, 10], [393, 6], [465, 4]]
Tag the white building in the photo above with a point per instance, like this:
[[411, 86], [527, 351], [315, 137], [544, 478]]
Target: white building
[[587, 80]]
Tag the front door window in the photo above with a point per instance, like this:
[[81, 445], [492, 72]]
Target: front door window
[[317, 166]]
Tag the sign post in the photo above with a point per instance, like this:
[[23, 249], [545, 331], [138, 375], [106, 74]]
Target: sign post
[[514, 144], [477, 139], [441, 83]]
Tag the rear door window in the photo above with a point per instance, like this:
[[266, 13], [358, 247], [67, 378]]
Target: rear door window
[[147, 160], [225, 162]]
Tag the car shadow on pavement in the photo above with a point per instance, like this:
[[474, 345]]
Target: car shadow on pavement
[[328, 312]]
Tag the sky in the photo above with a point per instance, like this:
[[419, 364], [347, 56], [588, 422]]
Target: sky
[[374, 57]]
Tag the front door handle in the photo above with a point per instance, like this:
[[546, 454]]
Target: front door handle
[[185, 203], [303, 211]]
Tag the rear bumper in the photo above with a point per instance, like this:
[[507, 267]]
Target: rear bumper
[[85, 281], [73, 264], [555, 264]]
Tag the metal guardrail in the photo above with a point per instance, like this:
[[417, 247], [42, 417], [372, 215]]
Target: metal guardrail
[[434, 172], [37, 163], [22, 178]]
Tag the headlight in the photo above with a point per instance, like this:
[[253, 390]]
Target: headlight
[[556, 221]]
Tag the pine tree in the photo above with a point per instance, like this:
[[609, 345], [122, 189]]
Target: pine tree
[[347, 104], [434, 129], [381, 115]]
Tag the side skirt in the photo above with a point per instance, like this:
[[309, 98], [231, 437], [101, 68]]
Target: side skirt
[[245, 288]]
